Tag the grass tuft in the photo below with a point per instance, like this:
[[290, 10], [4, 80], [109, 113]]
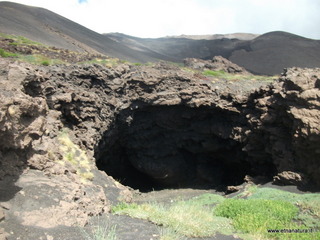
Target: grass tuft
[[103, 231], [169, 234]]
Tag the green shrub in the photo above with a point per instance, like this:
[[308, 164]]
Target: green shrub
[[308, 203], [45, 63]]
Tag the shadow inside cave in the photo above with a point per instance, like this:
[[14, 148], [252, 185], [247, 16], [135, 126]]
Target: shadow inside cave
[[161, 147]]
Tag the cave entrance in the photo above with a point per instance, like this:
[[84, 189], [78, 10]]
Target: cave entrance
[[159, 147]]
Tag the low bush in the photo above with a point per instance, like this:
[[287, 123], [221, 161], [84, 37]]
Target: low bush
[[45, 63]]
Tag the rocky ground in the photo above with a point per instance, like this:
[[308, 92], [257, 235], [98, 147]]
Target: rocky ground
[[149, 127]]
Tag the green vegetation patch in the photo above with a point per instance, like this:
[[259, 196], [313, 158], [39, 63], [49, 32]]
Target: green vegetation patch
[[169, 234], [192, 218], [107, 62], [257, 215], [233, 77], [218, 74], [206, 199], [6, 54], [255, 218], [308, 203], [19, 40], [39, 59]]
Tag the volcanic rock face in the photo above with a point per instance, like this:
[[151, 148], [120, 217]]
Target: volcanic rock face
[[218, 63], [160, 126], [288, 127], [22, 119], [31, 139]]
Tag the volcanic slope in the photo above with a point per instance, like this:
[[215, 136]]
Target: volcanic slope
[[267, 54], [271, 52], [181, 48], [46, 27]]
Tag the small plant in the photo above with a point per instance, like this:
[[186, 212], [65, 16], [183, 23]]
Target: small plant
[[103, 231], [45, 63]]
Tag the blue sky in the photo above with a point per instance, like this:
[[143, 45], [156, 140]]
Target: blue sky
[[159, 18]]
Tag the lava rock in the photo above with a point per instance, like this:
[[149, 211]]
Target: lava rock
[[218, 63]]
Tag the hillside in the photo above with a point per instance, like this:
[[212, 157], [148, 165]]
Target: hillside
[[240, 36], [274, 51], [267, 54], [46, 27], [180, 48]]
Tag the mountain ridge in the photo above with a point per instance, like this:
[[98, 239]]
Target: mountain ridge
[[47, 27], [266, 54]]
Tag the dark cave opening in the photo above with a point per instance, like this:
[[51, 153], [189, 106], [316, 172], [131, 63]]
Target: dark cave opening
[[158, 147]]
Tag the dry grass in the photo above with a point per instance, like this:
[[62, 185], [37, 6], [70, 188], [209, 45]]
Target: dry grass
[[75, 156]]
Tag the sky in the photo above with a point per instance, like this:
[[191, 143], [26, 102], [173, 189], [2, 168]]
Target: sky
[[160, 18]]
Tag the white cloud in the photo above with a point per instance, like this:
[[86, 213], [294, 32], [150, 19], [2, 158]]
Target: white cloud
[[157, 18]]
